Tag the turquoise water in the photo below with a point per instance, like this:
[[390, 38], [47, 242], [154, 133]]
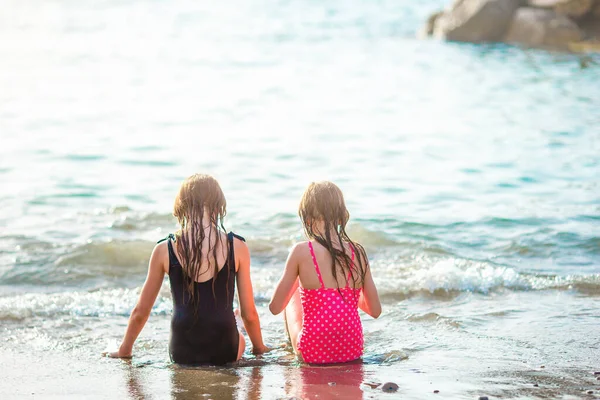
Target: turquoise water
[[471, 172]]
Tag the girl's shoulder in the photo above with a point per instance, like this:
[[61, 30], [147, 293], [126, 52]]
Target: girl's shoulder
[[165, 243], [300, 247], [300, 251], [240, 248]]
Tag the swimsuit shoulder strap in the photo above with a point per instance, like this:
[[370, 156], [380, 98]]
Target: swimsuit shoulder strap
[[312, 253], [172, 257], [231, 252]]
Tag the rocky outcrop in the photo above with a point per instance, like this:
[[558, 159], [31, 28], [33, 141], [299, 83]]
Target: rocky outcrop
[[537, 27], [558, 24], [430, 24], [591, 26], [570, 8], [475, 20], [574, 8], [542, 3]]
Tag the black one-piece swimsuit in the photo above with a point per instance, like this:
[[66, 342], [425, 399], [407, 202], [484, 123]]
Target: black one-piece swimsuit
[[207, 334]]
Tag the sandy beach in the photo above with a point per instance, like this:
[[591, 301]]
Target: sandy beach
[[65, 376]]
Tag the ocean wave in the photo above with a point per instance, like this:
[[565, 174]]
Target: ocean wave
[[133, 221], [416, 261], [444, 277], [122, 257], [28, 260], [370, 238], [119, 254], [106, 302], [98, 260], [432, 317], [94, 263]]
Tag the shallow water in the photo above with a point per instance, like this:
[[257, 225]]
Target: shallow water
[[471, 174]]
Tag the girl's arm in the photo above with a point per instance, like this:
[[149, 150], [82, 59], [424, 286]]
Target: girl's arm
[[287, 284], [369, 299], [141, 312], [246, 296]]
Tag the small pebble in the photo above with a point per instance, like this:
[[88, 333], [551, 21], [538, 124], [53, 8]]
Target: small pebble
[[436, 391], [543, 366], [597, 373], [483, 398], [389, 387], [590, 392], [332, 383], [536, 385]]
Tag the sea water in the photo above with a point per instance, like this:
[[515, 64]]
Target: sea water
[[471, 173]]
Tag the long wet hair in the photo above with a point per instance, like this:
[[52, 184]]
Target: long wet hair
[[324, 201], [200, 198]]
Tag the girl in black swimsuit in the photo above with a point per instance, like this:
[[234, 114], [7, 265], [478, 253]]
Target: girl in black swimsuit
[[203, 264]]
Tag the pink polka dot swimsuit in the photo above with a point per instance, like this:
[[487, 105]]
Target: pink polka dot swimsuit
[[331, 327]]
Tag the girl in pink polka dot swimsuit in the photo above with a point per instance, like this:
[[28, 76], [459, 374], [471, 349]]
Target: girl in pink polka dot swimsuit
[[326, 280]]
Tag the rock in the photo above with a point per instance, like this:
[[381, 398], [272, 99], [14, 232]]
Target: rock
[[543, 366], [483, 398], [590, 26], [570, 8], [389, 387], [430, 24], [536, 385], [597, 373], [574, 8], [586, 47], [436, 391], [543, 3], [598, 378], [542, 28], [590, 392], [476, 21]]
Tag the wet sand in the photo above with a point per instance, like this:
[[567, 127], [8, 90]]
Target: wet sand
[[75, 375]]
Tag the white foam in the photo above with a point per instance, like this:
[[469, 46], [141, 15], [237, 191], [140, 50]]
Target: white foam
[[462, 275], [453, 274], [88, 304]]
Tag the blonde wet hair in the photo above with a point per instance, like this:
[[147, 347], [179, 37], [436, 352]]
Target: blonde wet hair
[[324, 202], [200, 201]]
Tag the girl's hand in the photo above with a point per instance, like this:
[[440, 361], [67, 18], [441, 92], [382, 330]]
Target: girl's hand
[[117, 354], [260, 350]]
